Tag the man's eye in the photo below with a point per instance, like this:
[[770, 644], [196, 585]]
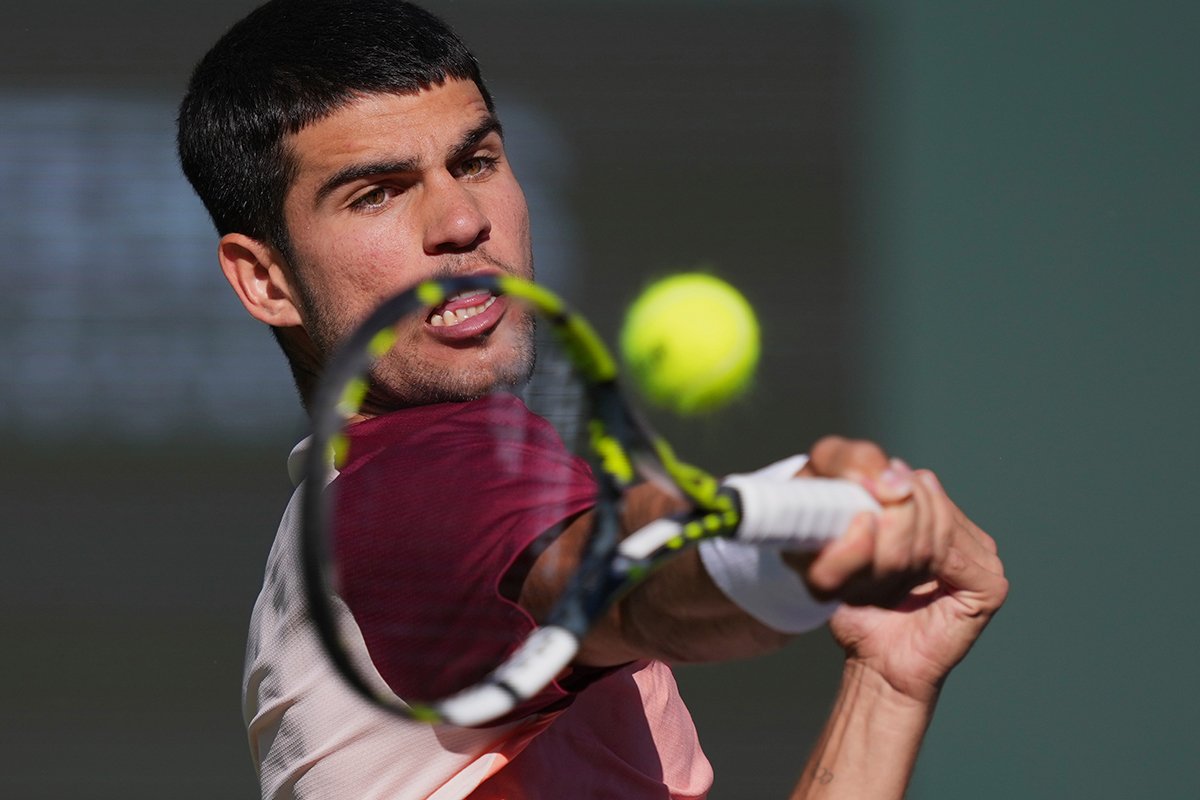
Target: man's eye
[[477, 166], [372, 199]]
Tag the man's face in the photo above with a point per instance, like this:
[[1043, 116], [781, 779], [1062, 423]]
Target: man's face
[[395, 189]]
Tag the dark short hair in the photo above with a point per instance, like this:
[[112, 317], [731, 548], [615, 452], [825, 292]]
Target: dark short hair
[[288, 64]]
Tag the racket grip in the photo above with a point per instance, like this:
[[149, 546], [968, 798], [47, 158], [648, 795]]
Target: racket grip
[[800, 514]]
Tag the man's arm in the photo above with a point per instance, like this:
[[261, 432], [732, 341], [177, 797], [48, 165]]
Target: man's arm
[[680, 615], [898, 657], [919, 583], [869, 744]]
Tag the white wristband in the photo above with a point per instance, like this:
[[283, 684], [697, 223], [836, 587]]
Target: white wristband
[[755, 576], [757, 580]]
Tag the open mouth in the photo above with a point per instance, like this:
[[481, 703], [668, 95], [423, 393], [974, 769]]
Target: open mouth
[[466, 316], [461, 307]]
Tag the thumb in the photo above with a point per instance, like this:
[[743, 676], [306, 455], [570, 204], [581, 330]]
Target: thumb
[[892, 485]]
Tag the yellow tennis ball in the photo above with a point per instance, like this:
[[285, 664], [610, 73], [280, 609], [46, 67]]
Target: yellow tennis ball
[[691, 341]]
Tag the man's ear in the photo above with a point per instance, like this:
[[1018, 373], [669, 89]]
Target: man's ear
[[261, 279]]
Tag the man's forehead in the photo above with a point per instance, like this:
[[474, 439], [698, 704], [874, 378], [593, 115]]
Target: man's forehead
[[416, 125]]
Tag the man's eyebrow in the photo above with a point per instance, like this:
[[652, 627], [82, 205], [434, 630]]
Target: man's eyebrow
[[353, 172], [472, 138]]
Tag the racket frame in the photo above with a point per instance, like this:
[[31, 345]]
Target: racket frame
[[623, 454]]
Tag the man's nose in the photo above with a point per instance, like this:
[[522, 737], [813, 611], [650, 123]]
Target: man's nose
[[455, 220]]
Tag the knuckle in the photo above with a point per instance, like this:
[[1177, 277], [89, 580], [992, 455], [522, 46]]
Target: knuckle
[[849, 453], [923, 553], [827, 447], [1001, 590], [860, 450], [824, 583], [938, 554], [988, 542]]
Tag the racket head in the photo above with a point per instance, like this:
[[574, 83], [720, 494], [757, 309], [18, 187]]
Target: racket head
[[387, 535]]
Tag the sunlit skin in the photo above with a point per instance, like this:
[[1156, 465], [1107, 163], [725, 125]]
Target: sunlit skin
[[388, 191]]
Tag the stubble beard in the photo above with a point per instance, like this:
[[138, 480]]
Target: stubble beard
[[502, 360], [411, 380]]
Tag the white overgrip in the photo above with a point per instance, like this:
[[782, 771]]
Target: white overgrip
[[799, 514], [779, 513]]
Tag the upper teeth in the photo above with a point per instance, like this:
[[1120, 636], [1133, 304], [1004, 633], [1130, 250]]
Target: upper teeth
[[450, 318]]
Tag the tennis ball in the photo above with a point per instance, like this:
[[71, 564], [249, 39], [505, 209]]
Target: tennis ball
[[691, 341]]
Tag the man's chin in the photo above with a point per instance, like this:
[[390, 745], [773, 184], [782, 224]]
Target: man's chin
[[445, 387], [419, 374]]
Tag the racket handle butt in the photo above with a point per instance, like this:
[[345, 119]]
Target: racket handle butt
[[478, 705], [532, 667]]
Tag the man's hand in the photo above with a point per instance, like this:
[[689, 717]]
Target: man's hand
[[919, 581]]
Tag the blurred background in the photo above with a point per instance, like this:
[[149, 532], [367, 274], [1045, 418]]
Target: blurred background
[[971, 231]]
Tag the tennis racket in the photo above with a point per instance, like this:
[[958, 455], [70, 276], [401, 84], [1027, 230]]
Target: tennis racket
[[398, 510]]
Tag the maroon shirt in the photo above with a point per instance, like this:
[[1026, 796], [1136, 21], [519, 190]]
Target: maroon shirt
[[435, 507]]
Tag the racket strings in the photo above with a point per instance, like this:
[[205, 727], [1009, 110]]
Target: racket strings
[[573, 389]]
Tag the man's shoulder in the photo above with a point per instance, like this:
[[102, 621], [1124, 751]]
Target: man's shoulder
[[486, 432], [485, 415]]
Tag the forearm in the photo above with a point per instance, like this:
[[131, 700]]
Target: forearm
[[679, 615], [676, 615], [869, 745]]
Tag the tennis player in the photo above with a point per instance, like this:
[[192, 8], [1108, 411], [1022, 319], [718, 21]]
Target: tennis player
[[346, 149]]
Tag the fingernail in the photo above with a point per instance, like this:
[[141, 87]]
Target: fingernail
[[897, 478], [931, 481]]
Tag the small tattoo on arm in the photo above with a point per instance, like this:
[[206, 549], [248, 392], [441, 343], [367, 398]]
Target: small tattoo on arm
[[824, 776]]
